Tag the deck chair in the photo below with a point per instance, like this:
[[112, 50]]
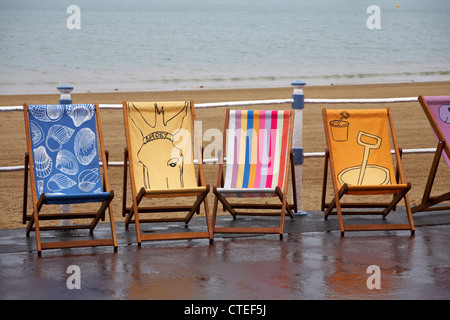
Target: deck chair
[[64, 143], [437, 110], [258, 146], [161, 165], [359, 155]]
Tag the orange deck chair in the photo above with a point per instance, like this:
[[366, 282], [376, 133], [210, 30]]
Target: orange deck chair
[[259, 157], [65, 143], [359, 154], [437, 110], [161, 165]]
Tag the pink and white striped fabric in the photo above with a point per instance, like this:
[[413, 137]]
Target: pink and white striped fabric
[[257, 151]]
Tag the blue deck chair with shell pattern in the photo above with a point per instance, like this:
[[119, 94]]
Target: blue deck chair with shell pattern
[[65, 143]]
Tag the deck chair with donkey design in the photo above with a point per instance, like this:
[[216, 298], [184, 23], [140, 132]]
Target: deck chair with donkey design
[[160, 152]]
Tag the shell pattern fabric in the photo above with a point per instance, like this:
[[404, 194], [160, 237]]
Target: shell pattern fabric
[[65, 151]]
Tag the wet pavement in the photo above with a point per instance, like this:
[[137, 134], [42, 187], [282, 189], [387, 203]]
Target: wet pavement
[[311, 262]]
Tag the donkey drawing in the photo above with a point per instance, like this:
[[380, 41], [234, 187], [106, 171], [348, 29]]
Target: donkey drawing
[[162, 161]]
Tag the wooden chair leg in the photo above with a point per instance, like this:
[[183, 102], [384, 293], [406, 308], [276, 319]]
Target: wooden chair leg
[[225, 203], [197, 204], [25, 189], [282, 218], [431, 177], [214, 213], [101, 211], [294, 186], [325, 176], [287, 208], [125, 177], [399, 196]]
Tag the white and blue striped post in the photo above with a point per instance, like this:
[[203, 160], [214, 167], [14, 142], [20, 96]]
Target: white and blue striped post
[[65, 98], [65, 91], [297, 140]]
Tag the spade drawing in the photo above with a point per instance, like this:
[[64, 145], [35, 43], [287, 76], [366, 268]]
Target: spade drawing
[[366, 174]]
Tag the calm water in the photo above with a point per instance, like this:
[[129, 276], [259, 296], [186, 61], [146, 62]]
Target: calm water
[[183, 44]]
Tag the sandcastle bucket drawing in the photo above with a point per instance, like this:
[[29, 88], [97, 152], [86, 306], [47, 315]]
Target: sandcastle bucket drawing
[[339, 128], [366, 174]]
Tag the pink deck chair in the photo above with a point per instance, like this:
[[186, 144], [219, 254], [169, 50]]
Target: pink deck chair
[[437, 110]]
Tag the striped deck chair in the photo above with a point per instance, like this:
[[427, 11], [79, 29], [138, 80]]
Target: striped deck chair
[[437, 110], [160, 153], [64, 143], [259, 156], [359, 154]]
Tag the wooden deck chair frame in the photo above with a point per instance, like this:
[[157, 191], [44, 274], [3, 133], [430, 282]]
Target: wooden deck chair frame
[[281, 210], [399, 192], [133, 213], [430, 203], [38, 203]]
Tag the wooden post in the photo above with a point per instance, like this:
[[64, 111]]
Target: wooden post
[[297, 140]]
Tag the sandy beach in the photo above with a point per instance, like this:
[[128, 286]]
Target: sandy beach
[[412, 129]]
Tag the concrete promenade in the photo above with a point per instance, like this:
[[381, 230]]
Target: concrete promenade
[[311, 262]]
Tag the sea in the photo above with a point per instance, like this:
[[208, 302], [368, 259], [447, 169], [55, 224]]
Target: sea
[[149, 45]]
